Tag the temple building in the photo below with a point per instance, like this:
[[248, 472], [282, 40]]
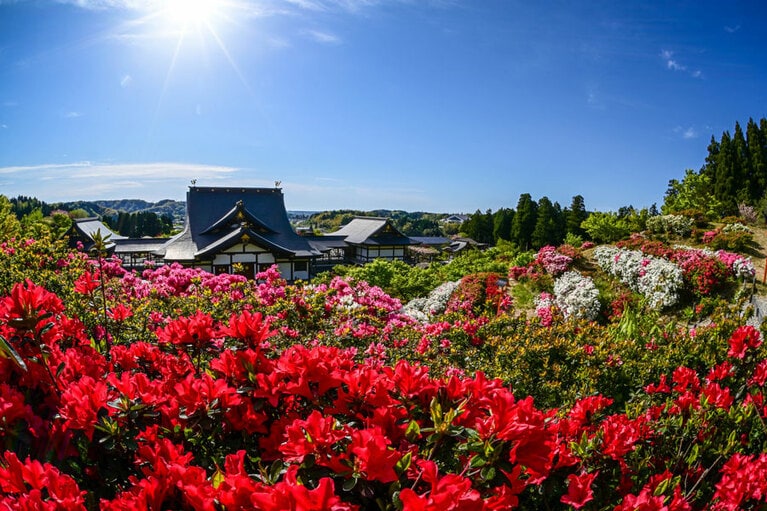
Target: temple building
[[239, 230]]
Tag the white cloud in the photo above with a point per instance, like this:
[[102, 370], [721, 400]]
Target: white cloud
[[731, 30], [322, 37], [126, 81], [73, 115], [330, 193], [671, 63], [686, 133], [93, 181]]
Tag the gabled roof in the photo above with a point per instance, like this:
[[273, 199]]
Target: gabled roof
[[218, 218], [371, 231], [87, 227], [84, 229], [239, 214]]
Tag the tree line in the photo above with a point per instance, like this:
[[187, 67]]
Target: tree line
[[30, 211], [733, 177], [140, 224], [532, 225]]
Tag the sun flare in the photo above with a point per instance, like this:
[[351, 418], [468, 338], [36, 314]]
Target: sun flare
[[186, 13]]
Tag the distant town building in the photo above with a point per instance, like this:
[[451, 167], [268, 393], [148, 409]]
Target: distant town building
[[455, 219]]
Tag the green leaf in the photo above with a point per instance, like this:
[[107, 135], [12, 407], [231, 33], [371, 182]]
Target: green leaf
[[478, 461], [349, 484], [403, 464], [487, 473], [218, 478], [413, 431], [8, 351]]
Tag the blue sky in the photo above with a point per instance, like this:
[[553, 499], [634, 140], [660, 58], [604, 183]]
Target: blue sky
[[421, 105]]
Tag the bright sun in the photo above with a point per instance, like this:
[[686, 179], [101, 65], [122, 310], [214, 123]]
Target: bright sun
[[183, 13]]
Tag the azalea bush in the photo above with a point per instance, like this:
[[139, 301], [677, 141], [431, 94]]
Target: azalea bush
[[658, 280], [576, 296], [732, 236], [177, 389]]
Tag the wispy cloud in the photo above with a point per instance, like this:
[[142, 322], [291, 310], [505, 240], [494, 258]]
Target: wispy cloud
[[92, 181], [673, 64], [4, 126], [731, 30], [688, 133], [126, 81], [322, 37], [329, 193], [73, 115]]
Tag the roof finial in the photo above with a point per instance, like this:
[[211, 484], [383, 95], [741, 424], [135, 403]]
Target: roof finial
[[194, 182], [277, 184]]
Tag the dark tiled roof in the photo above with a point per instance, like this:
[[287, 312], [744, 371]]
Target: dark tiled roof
[[128, 245], [217, 218], [89, 226], [327, 242], [430, 240], [371, 231]]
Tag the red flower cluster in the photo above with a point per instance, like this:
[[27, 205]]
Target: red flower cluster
[[208, 416]]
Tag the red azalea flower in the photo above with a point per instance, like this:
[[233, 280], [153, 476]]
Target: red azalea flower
[[579, 490], [80, 404], [120, 312], [248, 327], [87, 282], [373, 457], [27, 304], [742, 339], [289, 494], [197, 330]]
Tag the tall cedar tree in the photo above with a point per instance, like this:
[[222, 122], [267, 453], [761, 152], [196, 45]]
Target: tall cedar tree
[[756, 140], [575, 216], [479, 227], [741, 170], [545, 230], [523, 225], [502, 220]]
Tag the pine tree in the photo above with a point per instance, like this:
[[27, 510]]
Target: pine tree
[[545, 230], [725, 184], [575, 216], [524, 221], [502, 220], [479, 227], [757, 161], [741, 172]]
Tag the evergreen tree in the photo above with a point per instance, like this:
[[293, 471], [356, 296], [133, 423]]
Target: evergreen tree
[[524, 221], [545, 230], [725, 183], [756, 141], [479, 227], [502, 224], [575, 216], [560, 224], [741, 172]]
